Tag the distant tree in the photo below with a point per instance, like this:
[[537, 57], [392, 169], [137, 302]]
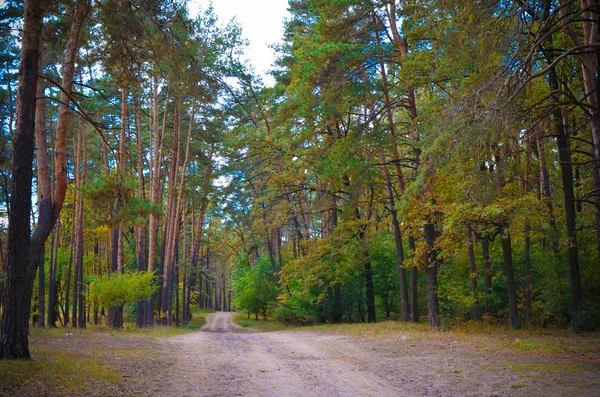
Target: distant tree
[[255, 288], [118, 289]]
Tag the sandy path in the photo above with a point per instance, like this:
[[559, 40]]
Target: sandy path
[[226, 361], [231, 361]]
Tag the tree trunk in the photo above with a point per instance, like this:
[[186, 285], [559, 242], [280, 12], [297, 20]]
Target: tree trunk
[[44, 195], [412, 106], [589, 70], [511, 287], [432, 296], [20, 275], [487, 275], [78, 238], [397, 240], [473, 277], [80, 231], [156, 148], [172, 217], [49, 210], [545, 192], [140, 231], [564, 154], [69, 272]]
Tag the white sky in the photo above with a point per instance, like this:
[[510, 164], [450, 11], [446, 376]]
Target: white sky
[[261, 21]]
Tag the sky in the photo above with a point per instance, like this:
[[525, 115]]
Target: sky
[[261, 22]]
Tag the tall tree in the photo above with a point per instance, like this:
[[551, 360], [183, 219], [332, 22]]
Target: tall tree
[[20, 273]]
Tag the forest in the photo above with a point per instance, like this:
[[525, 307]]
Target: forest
[[430, 161]]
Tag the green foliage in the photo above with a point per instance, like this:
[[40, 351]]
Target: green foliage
[[112, 201], [255, 287], [587, 318], [119, 289]]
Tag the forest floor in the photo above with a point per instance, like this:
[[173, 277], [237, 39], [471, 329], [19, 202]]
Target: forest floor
[[383, 359]]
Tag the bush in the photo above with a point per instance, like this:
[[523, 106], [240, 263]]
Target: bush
[[587, 319], [255, 288], [287, 316]]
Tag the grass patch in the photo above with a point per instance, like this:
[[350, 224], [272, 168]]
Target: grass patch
[[553, 369], [382, 330], [267, 325], [518, 385], [57, 369], [548, 346]]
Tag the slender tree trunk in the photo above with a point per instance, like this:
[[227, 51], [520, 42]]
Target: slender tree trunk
[[432, 265], [397, 240], [80, 232], [52, 292], [49, 209], [545, 192], [173, 217], [402, 47], [473, 277], [78, 237], [69, 272], [527, 251], [511, 287], [528, 286], [140, 318], [564, 154], [155, 184], [43, 180], [487, 275]]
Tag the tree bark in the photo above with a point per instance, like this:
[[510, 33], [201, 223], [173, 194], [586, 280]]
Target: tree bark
[[140, 231], [397, 240], [431, 260], [20, 275], [473, 278], [564, 154], [511, 287], [156, 149], [402, 47], [487, 275], [589, 70], [44, 195]]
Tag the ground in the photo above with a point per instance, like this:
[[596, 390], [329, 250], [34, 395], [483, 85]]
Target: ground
[[387, 359]]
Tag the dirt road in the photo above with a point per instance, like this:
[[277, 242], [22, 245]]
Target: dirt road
[[228, 361]]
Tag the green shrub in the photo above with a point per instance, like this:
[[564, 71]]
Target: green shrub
[[587, 319]]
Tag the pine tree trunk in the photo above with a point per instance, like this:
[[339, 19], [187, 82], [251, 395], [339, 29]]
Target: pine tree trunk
[[564, 154], [52, 278], [473, 277], [397, 240], [44, 196], [589, 70], [511, 287], [140, 231], [487, 275], [156, 148], [20, 275], [80, 231], [68, 281], [431, 260]]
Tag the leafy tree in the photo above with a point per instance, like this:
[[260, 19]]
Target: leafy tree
[[119, 289], [255, 287]]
